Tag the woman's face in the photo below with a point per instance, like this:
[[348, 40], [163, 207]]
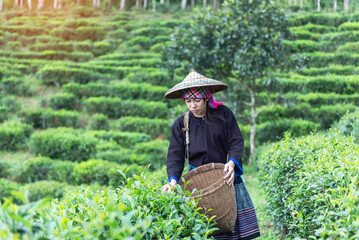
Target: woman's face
[[197, 106]]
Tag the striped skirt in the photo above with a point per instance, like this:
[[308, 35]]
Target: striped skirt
[[246, 225]]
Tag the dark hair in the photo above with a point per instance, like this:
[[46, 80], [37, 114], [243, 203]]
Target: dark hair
[[211, 114]]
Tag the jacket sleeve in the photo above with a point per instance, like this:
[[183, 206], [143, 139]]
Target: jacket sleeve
[[235, 141], [176, 152]]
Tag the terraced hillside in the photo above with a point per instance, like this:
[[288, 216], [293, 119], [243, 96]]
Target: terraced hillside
[[82, 93], [81, 97], [317, 94]]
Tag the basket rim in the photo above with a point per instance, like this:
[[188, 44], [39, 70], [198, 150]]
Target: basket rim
[[206, 191], [204, 168]]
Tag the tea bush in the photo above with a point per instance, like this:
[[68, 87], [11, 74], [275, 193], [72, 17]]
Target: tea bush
[[101, 172], [312, 186], [304, 34], [51, 55], [148, 76], [138, 210], [330, 70], [303, 45], [123, 90], [124, 139], [318, 99], [59, 75], [154, 127], [4, 113], [352, 47], [36, 169], [325, 115], [6, 187], [327, 83], [61, 171], [41, 189], [323, 59], [275, 130], [63, 101], [117, 107], [63, 143], [15, 86], [13, 135], [339, 38], [48, 118], [98, 122], [334, 19], [315, 28], [10, 102], [349, 125], [155, 151], [349, 26]]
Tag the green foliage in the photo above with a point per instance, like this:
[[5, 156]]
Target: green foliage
[[339, 38], [90, 33], [15, 86], [322, 59], [303, 45], [155, 151], [349, 125], [101, 172], [334, 69], [327, 83], [157, 77], [36, 169], [123, 90], [349, 26], [139, 210], [50, 55], [61, 171], [63, 143], [352, 47], [319, 18], [41, 189], [243, 39], [4, 113], [314, 28], [10, 102], [63, 101], [325, 115], [151, 32], [56, 74], [124, 139], [116, 107], [311, 186], [274, 131], [13, 135], [154, 127], [99, 122], [48, 118], [6, 187]]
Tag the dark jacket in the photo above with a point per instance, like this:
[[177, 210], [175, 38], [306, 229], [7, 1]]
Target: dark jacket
[[210, 141]]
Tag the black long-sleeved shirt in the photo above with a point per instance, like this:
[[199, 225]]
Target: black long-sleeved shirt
[[210, 141]]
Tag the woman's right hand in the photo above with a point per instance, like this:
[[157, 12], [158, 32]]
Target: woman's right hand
[[168, 187]]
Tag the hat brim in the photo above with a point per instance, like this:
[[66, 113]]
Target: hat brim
[[177, 90]]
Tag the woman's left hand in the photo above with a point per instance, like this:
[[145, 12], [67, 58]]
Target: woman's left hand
[[229, 172]]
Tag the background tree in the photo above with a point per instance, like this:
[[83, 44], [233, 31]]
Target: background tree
[[243, 41]]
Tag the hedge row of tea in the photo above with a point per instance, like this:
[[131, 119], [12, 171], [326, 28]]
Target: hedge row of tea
[[326, 87], [103, 71], [134, 210], [312, 182], [312, 185]]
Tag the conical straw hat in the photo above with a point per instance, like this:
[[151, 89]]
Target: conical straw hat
[[194, 79]]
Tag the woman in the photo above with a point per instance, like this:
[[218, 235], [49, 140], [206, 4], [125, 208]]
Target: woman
[[214, 137]]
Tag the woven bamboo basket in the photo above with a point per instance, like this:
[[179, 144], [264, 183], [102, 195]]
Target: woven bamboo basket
[[206, 182]]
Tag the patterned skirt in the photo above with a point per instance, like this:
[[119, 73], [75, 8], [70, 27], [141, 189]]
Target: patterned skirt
[[246, 225]]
